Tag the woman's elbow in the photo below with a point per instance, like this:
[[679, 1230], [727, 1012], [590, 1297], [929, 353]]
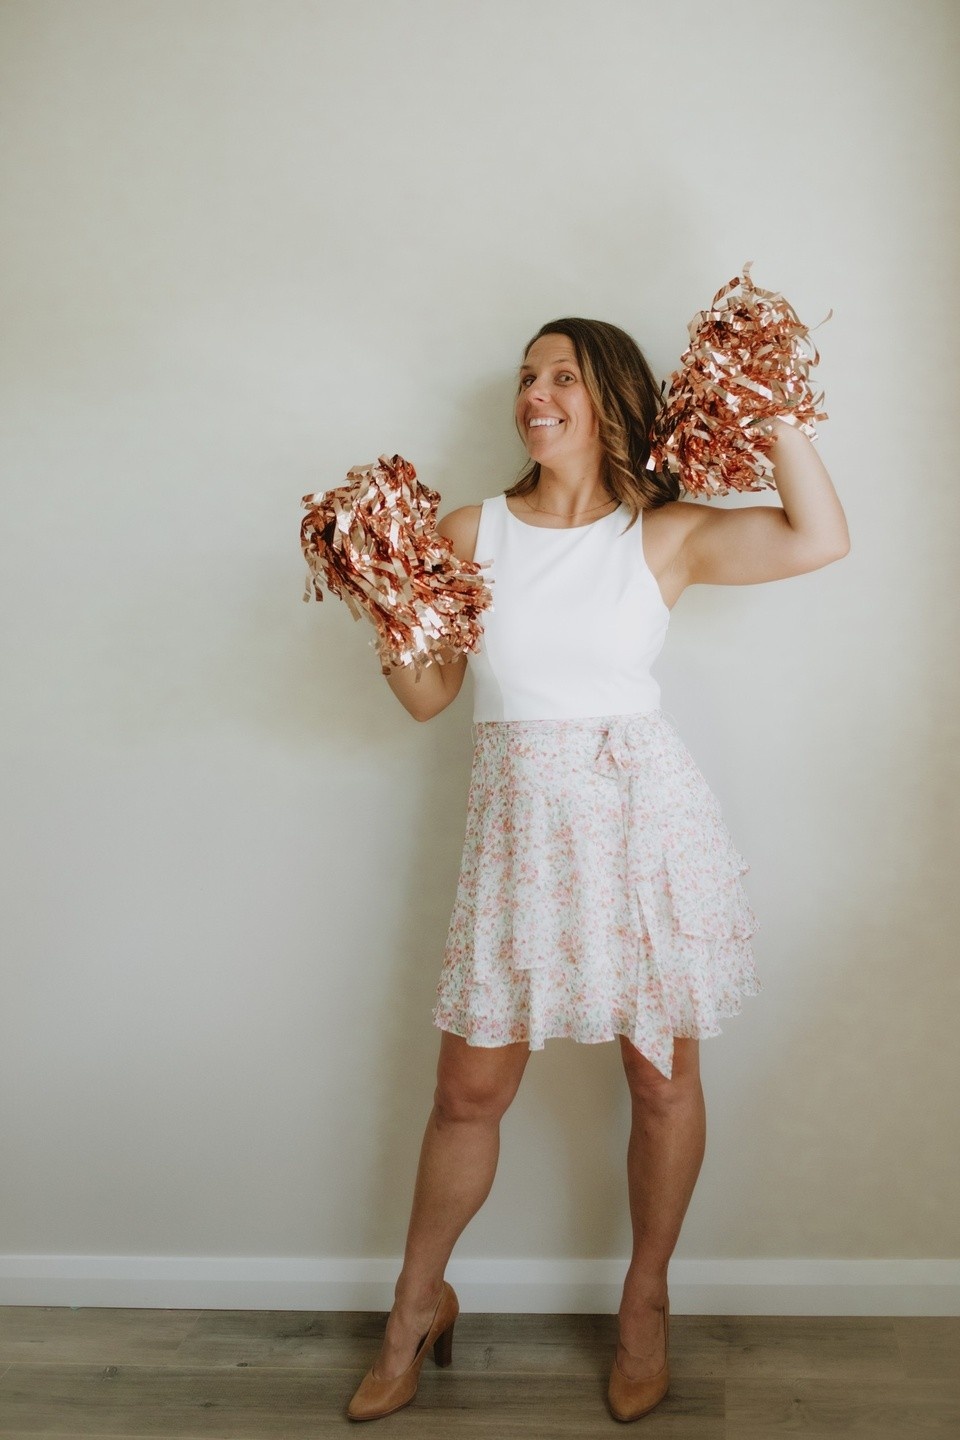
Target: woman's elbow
[[816, 557], [424, 715], [430, 706], [842, 547], [833, 549], [829, 557], [418, 709], [423, 696]]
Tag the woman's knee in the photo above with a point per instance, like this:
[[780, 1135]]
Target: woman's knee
[[477, 1083], [649, 1084]]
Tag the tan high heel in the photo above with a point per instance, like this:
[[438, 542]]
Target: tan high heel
[[629, 1399], [375, 1397]]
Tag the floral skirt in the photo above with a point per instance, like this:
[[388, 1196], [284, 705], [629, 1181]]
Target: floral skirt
[[599, 891]]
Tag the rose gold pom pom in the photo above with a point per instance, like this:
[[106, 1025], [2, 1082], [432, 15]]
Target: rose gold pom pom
[[747, 363], [373, 542]]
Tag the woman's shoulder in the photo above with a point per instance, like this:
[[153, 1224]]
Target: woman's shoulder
[[460, 527]]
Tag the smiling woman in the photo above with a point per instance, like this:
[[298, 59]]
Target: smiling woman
[[600, 893], [593, 379]]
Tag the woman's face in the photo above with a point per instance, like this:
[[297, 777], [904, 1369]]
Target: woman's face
[[554, 415]]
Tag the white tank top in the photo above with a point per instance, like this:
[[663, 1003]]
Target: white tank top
[[577, 620]]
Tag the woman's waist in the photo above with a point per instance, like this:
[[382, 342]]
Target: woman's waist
[[568, 733], [650, 715]]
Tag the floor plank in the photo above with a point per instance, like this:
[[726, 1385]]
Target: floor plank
[[808, 1409], [160, 1401], [231, 1405], [111, 1374], [852, 1348], [929, 1345], [51, 1333]]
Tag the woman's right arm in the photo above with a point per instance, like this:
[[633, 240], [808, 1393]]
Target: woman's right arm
[[439, 685]]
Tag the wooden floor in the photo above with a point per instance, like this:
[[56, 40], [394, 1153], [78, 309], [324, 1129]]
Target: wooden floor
[[227, 1373]]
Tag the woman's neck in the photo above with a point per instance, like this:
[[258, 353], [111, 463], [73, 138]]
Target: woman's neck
[[569, 492]]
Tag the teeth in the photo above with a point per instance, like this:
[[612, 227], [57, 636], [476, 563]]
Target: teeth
[[544, 422]]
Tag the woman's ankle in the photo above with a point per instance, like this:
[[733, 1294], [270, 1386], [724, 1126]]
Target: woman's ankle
[[644, 1287], [416, 1295]]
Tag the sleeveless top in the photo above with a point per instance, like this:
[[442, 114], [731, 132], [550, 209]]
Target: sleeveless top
[[577, 619]]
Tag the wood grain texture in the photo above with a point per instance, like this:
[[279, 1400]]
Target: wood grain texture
[[134, 1337], [822, 1409], [227, 1375]]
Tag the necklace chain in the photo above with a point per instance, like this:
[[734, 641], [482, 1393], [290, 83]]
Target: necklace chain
[[558, 515]]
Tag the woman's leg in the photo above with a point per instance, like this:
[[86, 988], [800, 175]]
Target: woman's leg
[[458, 1161], [667, 1143]]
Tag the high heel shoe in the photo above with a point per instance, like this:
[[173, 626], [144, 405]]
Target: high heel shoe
[[375, 1397], [629, 1399]]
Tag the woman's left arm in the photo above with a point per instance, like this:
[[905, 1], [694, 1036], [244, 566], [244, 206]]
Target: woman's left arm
[[767, 542]]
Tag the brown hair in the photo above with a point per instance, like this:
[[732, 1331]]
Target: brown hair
[[626, 399]]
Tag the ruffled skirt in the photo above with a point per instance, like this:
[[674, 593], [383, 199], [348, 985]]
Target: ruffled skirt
[[599, 891]]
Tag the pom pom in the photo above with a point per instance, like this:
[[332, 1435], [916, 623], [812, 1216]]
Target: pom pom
[[373, 542], [747, 363]]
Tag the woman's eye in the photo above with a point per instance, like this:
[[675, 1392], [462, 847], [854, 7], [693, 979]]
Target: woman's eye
[[564, 375]]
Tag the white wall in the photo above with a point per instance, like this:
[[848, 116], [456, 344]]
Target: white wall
[[248, 245]]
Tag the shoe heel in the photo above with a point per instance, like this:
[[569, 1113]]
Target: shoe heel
[[443, 1346]]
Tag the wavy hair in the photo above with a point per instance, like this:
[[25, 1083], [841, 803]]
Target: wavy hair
[[626, 399]]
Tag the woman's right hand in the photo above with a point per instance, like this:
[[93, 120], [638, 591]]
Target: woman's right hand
[[439, 684]]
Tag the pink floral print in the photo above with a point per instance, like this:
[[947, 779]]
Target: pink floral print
[[599, 892]]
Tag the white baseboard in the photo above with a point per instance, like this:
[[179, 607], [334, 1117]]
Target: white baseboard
[[697, 1287]]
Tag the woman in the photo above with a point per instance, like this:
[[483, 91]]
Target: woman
[[599, 894]]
